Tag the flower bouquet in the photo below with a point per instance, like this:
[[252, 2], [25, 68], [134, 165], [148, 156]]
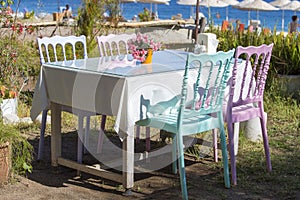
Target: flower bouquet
[[142, 47], [6, 92]]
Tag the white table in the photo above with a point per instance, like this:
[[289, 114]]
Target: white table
[[110, 87], [107, 86]]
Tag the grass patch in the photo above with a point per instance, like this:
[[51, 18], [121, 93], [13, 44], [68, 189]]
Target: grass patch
[[253, 179]]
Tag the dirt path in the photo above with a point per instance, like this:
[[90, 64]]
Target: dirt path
[[205, 181]]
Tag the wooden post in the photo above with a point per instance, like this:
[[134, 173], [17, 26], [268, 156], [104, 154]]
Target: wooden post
[[197, 21], [55, 133], [128, 161]]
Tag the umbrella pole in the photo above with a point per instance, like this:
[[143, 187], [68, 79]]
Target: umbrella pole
[[248, 17], [197, 21], [282, 22], [227, 13]]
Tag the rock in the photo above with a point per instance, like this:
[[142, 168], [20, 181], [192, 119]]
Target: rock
[[26, 120], [39, 119], [10, 119]]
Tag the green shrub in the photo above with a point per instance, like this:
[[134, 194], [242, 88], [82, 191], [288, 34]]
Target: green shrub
[[91, 20], [286, 51], [22, 150]]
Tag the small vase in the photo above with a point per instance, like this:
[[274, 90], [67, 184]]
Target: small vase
[[149, 56]]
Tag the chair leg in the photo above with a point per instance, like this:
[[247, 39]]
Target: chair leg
[[100, 141], [215, 144], [87, 134], [236, 130], [148, 141], [138, 131], [231, 152], [266, 143], [174, 153], [182, 167], [79, 139], [42, 135], [225, 158], [103, 121], [101, 132]]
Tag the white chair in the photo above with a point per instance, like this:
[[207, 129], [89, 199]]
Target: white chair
[[48, 49], [112, 45], [209, 40]]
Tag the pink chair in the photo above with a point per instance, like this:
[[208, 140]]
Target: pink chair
[[249, 103]]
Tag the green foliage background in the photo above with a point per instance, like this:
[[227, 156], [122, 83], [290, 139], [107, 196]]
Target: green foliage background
[[286, 51]]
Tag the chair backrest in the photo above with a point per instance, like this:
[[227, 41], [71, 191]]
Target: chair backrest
[[214, 71], [111, 45], [251, 88], [48, 48], [209, 40]]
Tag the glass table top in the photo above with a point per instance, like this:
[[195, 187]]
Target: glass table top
[[125, 65]]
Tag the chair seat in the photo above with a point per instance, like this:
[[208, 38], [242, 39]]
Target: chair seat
[[245, 112], [191, 123]]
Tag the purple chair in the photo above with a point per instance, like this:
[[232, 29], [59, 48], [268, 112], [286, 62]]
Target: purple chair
[[246, 100]]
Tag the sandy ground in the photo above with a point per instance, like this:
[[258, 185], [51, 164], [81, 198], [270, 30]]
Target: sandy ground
[[45, 182]]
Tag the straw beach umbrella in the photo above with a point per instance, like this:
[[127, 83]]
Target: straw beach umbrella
[[280, 3], [212, 3], [293, 5], [191, 3], [232, 3], [257, 5], [155, 2], [241, 4]]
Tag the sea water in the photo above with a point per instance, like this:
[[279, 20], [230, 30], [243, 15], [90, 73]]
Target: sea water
[[268, 19]]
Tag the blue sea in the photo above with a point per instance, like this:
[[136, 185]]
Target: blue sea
[[268, 19]]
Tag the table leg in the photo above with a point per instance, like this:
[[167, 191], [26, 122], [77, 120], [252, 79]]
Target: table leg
[[55, 133], [128, 162]]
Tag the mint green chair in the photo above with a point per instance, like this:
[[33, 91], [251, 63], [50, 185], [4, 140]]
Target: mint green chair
[[202, 113]]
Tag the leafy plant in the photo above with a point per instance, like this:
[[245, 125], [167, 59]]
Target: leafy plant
[[91, 20], [286, 51], [286, 54], [145, 15], [22, 150], [15, 62]]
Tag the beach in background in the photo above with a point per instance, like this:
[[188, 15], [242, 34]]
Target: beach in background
[[268, 19]]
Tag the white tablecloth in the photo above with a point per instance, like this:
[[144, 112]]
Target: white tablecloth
[[110, 87], [101, 86]]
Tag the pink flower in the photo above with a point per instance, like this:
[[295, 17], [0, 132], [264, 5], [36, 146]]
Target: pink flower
[[138, 46]]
